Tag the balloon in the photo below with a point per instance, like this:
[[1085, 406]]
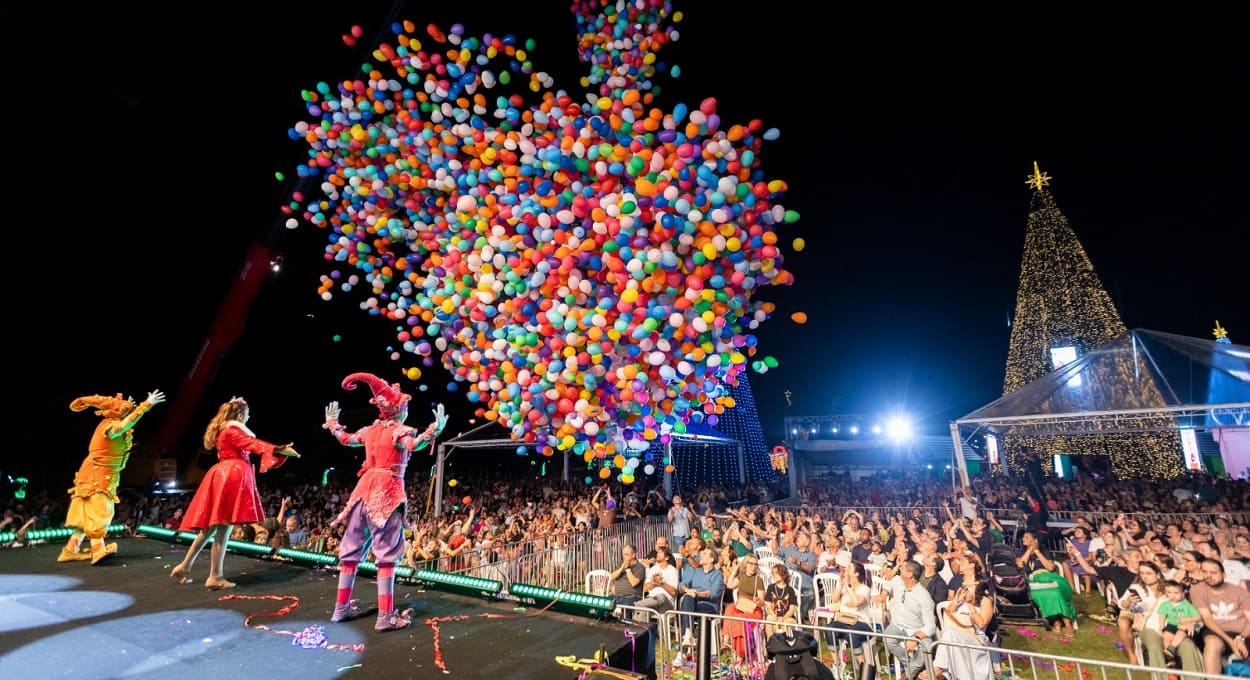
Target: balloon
[[466, 500], [799, 317], [799, 245], [451, 482], [568, 259]]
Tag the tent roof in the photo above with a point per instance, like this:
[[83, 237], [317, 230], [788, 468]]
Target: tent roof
[[1141, 381]]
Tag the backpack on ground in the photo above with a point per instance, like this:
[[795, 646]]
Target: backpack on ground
[[793, 658]]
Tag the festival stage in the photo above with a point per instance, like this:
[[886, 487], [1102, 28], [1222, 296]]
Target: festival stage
[[124, 618]]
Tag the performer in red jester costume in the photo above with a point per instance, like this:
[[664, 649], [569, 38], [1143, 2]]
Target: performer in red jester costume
[[95, 486], [375, 510]]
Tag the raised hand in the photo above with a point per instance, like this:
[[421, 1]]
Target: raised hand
[[155, 397], [332, 413], [440, 419], [289, 451]]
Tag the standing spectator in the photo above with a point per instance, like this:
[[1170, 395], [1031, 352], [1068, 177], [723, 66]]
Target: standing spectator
[[94, 494], [1225, 611], [375, 511], [228, 495], [627, 579], [680, 517], [800, 559]]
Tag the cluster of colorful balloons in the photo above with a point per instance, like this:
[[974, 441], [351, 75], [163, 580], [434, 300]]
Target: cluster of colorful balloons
[[589, 271]]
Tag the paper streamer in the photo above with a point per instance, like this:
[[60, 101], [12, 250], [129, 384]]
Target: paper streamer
[[312, 637]]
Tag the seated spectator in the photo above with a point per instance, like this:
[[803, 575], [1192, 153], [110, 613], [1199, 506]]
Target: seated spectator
[[781, 603], [964, 622], [1054, 596], [663, 583], [628, 577], [701, 588], [1225, 611], [912, 616], [748, 603], [297, 537], [852, 596]]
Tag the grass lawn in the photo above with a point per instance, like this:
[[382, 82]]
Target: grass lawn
[[1094, 640]]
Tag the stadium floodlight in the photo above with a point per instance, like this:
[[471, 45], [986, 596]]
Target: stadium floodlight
[[898, 429], [570, 602]]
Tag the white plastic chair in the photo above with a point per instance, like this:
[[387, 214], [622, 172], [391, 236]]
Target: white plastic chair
[[599, 582], [763, 551], [824, 585], [796, 582], [766, 567]]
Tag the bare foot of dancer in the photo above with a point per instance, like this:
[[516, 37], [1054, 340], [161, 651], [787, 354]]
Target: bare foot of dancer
[[179, 575], [219, 584]]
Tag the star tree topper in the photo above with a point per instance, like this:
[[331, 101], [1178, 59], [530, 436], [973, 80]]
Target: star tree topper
[[1038, 179]]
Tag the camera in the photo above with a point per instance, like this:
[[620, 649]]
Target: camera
[[1101, 555]]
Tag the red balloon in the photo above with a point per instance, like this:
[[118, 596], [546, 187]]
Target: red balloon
[[467, 500]]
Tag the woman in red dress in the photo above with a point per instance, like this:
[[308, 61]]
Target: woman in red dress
[[227, 494]]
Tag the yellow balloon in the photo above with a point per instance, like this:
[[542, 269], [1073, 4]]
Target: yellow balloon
[[451, 482], [799, 244]]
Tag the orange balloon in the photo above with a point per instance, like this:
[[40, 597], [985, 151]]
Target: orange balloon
[[604, 473], [799, 317], [466, 500]]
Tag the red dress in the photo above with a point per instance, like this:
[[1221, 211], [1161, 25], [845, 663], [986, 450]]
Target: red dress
[[227, 494]]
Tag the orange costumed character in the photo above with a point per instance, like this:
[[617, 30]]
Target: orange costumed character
[[94, 493]]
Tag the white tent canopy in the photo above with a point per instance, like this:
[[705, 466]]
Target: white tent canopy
[[1141, 381]]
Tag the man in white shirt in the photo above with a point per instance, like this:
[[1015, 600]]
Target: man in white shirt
[[662, 583], [912, 615]]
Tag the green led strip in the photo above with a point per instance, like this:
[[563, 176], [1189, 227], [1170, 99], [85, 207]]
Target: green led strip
[[596, 602], [306, 556], [460, 581], [400, 570], [49, 534], [257, 549]]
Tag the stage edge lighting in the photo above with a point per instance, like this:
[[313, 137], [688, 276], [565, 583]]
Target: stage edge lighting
[[566, 601], [472, 585]]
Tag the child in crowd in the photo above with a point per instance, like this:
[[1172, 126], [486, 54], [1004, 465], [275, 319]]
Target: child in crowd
[[1177, 617]]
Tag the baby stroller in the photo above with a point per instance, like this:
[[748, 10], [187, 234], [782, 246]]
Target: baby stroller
[[1010, 587]]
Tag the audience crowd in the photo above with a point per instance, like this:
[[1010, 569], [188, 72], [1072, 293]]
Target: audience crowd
[[908, 556]]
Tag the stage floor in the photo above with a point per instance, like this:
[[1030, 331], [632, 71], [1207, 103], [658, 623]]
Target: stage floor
[[124, 618]]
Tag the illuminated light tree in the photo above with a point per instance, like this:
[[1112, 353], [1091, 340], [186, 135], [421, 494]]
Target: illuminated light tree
[[698, 463], [1061, 303]]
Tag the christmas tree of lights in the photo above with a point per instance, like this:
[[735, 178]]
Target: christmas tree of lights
[[698, 463], [1062, 303]]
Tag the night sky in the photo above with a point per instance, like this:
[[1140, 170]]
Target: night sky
[[148, 136]]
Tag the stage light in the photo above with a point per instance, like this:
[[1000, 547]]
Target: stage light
[[562, 600], [296, 555], [52, 534], [460, 582]]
